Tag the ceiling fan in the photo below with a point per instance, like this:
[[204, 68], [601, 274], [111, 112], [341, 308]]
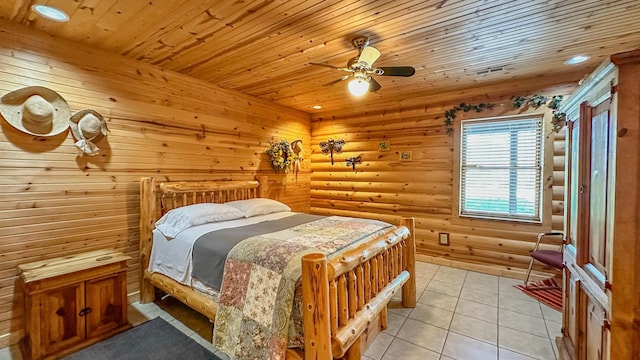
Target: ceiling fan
[[361, 69]]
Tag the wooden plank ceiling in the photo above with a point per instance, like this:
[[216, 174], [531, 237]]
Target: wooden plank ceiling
[[264, 47]]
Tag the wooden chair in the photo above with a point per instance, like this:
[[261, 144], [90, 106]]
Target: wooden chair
[[551, 258]]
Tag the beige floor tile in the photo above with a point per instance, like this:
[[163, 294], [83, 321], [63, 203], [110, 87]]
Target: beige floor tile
[[422, 282], [425, 335], [504, 354], [510, 291], [529, 324], [554, 329], [432, 315], [550, 314], [449, 276], [479, 296], [524, 343], [478, 311], [485, 284], [400, 349], [521, 306], [452, 271], [379, 346], [474, 328], [425, 274], [438, 300], [444, 288], [443, 357], [426, 267], [506, 281], [394, 323], [487, 278], [462, 347]]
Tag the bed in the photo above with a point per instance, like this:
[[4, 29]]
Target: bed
[[343, 298]]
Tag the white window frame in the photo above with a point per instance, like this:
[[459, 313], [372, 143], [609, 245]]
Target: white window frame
[[539, 216]]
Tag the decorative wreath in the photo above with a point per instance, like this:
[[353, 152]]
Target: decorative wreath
[[281, 156]]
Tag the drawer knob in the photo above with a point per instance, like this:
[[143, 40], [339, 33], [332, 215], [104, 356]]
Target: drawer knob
[[60, 312]]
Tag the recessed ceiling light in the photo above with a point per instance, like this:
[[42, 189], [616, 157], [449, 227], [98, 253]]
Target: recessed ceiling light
[[317, 107], [51, 13], [577, 59]]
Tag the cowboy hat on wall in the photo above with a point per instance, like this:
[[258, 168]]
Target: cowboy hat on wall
[[88, 127], [36, 110]]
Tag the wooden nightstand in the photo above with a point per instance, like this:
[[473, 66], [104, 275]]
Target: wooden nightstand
[[73, 301]]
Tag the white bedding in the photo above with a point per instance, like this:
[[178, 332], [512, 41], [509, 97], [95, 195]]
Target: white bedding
[[172, 257]]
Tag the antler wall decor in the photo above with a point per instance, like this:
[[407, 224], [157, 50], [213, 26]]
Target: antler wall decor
[[352, 161], [331, 146]]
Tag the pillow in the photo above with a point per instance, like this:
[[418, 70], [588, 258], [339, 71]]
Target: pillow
[[258, 206], [188, 216]]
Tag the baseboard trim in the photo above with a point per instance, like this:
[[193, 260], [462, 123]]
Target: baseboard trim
[[11, 338], [133, 297]]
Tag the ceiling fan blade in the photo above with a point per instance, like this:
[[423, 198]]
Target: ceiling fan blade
[[374, 85], [405, 71], [368, 56], [336, 81]]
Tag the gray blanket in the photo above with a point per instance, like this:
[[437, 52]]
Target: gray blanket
[[210, 250]]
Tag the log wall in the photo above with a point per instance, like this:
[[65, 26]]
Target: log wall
[[384, 187], [163, 124]]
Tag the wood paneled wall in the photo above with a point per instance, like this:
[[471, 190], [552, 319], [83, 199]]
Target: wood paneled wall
[[161, 124], [385, 187], [559, 152]]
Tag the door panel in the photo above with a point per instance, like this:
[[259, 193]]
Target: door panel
[[598, 193], [62, 326], [595, 316], [105, 298]]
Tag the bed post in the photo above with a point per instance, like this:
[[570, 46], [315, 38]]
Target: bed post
[[409, 288], [147, 214], [315, 302], [264, 186]]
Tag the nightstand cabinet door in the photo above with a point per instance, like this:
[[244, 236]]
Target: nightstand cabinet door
[[106, 298], [61, 324]]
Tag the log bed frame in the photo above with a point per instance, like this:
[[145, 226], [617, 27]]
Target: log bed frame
[[344, 300]]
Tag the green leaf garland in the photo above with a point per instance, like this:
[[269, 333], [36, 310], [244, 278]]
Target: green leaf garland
[[536, 101]]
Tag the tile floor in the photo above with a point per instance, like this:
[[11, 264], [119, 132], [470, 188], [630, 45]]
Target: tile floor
[[460, 315]]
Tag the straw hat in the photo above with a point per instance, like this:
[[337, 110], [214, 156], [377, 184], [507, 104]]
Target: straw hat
[[88, 125], [296, 146], [36, 110]]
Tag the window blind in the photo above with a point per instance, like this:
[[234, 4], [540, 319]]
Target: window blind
[[500, 169]]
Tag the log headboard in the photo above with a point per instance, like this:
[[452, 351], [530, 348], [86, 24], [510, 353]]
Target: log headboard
[[157, 198]]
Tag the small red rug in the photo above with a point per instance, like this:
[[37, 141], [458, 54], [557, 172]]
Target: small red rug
[[547, 291]]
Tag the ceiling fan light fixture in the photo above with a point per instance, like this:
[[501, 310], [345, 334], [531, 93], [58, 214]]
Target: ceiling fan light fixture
[[358, 86], [50, 12]]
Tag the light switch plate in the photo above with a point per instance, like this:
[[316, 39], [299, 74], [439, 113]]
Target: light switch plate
[[443, 238]]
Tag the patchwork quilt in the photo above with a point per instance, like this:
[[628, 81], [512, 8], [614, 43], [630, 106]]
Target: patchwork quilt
[[260, 279]]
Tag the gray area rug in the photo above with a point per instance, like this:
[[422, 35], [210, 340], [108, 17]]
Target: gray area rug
[[156, 339]]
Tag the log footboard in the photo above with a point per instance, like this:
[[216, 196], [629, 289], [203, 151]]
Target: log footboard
[[343, 296]]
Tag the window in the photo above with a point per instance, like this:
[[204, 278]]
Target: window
[[500, 169]]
